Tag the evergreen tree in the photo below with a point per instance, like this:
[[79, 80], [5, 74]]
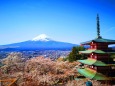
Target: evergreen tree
[[74, 54]]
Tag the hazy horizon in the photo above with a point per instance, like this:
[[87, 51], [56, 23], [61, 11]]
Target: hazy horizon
[[72, 21]]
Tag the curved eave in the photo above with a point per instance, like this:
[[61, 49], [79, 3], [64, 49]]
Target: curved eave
[[86, 43], [92, 51], [110, 52], [111, 64], [101, 40], [93, 62], [92, 74]]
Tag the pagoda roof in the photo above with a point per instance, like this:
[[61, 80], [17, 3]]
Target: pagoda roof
[[92, 51], [101, 40], [111, 64], [95, 62], [95, 51], [92, 74]]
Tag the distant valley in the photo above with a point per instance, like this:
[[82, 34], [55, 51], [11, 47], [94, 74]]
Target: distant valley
[[41, 45]]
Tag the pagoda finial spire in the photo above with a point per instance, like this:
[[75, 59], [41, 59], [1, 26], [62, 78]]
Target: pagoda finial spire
[[98, 27]]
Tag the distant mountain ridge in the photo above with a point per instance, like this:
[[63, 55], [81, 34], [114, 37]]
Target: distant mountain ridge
[[40, 42]]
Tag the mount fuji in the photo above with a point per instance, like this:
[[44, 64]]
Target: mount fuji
[[41, 42], [42, 37]]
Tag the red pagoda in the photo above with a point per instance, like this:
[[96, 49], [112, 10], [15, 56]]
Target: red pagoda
[[98, 65]]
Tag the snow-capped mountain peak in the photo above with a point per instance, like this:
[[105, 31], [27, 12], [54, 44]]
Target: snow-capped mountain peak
[[41, 37], [41, 42]]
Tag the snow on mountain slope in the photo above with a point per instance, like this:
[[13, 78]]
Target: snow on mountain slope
[[40, 42], [41, 37]]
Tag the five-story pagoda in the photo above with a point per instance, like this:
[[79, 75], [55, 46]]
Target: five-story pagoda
[[99, 65]]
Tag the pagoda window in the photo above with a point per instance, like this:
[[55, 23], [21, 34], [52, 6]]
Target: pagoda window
[[91, 56], [91, 66], [113, 67], [95, 46], [95, 68], [95, 57], [92, 47]]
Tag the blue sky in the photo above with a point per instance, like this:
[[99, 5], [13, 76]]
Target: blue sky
[[71, 21]]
